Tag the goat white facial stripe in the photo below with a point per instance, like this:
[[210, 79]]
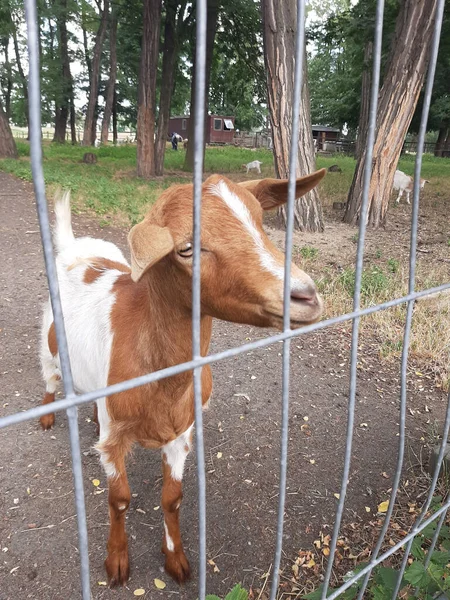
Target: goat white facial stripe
[[239, 209]]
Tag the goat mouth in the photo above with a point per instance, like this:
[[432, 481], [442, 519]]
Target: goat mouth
[[310, 312]]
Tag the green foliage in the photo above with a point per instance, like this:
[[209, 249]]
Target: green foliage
[[393, 265], [309, 251], [425, 578], [237, 593], [374, 282]]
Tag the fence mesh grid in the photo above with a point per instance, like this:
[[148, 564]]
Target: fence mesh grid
[[72, 400]]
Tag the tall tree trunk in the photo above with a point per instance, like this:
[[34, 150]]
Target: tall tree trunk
[[66, 91], [147, 89], [279, 32], [89, 131], [114, 118], [73, 128], [112, 76], [7, 87], [398, 97], [363, 122], [170, 50], [87, 57], [442, 136], [211, 27], [23, 79], [7, 144]]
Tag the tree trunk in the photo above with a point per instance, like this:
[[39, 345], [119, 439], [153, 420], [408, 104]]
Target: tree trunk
[[66, 91], [89, 127], [170, 49], [442, 136], [112, 76], [22, 77], [147, 89], [85, 42], [211, 27], [7, 144], [363, 123], [73, 129], [114, 118], [403, 80], [8, 76], [279, 32]]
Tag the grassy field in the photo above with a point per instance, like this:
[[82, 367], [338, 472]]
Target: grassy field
[[111, 187], [111, 191]]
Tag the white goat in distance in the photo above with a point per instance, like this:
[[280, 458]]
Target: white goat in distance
[[405, 183]]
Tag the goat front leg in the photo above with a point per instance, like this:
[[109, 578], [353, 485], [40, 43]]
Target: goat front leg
[[399, 196], [174, 456], [112, 457]]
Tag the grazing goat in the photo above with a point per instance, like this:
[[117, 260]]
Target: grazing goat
[[405, 183], [255, 164], [124, 321]]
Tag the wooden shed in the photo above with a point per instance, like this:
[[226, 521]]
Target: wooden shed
[[324, 135], [220, 128]]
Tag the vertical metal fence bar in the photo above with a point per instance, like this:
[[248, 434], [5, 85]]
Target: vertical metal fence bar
[[435, 538], [358, 276], [298, 78], [199, 133], [39, 188], [413, 251]]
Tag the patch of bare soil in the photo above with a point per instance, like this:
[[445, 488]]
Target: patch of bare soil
[[38, 539]]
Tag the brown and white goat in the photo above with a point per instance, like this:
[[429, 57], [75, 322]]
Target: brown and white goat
[[122, 322]]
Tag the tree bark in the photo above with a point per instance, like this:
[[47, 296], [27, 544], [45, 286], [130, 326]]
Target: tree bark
[[211, 27], [112, 76], [172, 34], [7, 144], [147, 89], [114, 118], [23, 79], [279, 34], [66, 91], [398, 97], [7, 87], [89, 130], [363, 123]]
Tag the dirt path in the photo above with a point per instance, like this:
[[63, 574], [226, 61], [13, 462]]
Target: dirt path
[[38, 542]]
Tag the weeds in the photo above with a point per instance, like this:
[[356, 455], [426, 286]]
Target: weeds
[[308, 252]]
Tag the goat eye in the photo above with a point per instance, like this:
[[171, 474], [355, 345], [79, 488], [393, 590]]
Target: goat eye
[[186, 250]]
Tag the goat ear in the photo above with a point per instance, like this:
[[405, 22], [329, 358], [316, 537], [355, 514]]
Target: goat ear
[[273, 192], [148, 244]]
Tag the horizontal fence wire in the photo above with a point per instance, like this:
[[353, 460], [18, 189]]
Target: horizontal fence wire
[[71, 400], [199, 134], [129, 384], [50, 266], [293, 154]]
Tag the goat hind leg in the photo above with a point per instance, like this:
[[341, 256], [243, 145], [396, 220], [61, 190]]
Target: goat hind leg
[[52, 379], [174, 456]]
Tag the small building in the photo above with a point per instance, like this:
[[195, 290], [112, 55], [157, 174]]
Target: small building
[[220, 129], [326, 137]]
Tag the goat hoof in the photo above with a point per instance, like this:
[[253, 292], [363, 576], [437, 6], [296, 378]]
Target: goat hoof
[[47, 421], [117, 568], [177, 566]]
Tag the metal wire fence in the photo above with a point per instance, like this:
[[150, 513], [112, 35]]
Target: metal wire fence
[[72, 400]]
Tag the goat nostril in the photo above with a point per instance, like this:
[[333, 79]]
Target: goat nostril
[[306, 293]]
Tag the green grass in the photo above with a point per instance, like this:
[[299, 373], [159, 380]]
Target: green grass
[[111, 186]]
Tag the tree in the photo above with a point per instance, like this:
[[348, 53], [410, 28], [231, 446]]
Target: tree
[[64, 96], [7, 144], [211, 27], [174, 27], [403, 80], [111, 86], [89, 128], [147, 89], [279, 52]]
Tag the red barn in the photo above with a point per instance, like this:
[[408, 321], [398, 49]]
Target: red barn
[[220, 129]]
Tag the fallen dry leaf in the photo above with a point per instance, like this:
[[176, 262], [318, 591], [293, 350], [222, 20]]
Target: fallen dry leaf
[[96, 482], [159, 584], [139, 591], [219, 455], [383, 506]]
